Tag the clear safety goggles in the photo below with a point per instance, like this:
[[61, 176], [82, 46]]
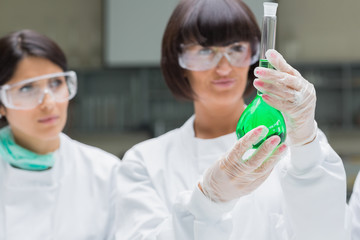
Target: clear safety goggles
[[199, 58], [29, 93]]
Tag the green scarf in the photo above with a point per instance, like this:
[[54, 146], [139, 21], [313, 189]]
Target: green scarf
[[20, 157]]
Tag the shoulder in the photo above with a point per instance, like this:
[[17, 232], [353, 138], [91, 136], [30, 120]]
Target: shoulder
[[82, 152], [158, 146], [167, 143], [89, 168]]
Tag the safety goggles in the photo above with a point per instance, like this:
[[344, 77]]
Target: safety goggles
[[29, 93], [199, 58]]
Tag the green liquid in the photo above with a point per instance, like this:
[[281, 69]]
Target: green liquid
[[260, 113], [265, 63]]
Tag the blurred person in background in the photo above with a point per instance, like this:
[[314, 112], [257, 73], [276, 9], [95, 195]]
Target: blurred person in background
[[192, 182], [51, 187], [354, 204]]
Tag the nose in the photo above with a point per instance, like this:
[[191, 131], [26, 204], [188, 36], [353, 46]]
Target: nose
[[223, 67], [47, 101]]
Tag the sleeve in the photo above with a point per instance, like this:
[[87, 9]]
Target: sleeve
[[314, 187], [114, 220], [354, 205], [145, 215]]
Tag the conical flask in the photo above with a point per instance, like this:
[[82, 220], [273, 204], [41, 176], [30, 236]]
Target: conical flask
[[258, 112]]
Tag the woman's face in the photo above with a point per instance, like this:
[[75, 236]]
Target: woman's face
[[222, 85], [46, 120]]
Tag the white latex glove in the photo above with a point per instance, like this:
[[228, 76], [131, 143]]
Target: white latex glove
[[231, 177], [286, 90]]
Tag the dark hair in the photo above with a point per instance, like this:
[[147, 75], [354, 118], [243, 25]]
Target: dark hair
[[209, 23], [18, 45]]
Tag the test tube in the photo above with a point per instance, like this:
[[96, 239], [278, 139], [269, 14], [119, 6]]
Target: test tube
[[268, 32]]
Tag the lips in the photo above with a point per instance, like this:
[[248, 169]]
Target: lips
[[49, 119], [224, 82]]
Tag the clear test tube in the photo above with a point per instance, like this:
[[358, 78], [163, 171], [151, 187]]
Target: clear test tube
[[268, 32]]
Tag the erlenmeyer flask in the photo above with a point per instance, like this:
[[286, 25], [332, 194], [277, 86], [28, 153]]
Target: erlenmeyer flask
[[259, 112]]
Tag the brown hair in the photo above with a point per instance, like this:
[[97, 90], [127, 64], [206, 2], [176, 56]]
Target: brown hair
[[18, 45], [209, 23]]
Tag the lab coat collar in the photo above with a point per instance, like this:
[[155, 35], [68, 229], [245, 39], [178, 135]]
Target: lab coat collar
[[206, 151], [19, 179]]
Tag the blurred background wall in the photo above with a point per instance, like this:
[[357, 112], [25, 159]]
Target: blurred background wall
[[114, 47], [76, 25]]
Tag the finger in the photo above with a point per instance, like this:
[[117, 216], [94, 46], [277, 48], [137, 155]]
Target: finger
[[265, 149], [283, 105], [272, 160], [278, 61], [279, 78], [279, 91], [246, 142]]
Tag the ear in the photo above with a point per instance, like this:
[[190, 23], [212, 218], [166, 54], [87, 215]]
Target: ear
[[2, 110], [184, 72]]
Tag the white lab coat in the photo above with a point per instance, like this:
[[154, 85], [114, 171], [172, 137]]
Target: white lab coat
[[354, 205], [302, 199], [74, 200]]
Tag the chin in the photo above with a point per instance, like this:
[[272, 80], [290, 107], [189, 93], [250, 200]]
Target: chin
[[49, 136], [231, 98], [50, 133]]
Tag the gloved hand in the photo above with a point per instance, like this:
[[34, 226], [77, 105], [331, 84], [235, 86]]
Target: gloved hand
[[286, 90], [232, 177]]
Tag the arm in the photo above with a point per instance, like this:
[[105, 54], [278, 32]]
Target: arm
[[313, 178], [194, 214], [145, 215], [314, 189]]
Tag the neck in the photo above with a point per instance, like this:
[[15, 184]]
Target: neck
[[36, 145], [216, 121]]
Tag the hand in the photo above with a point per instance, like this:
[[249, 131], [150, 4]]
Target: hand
[[231, 177], [286, 90]]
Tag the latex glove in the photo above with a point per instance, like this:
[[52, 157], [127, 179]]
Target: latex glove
[[231, 177], [286, 90]]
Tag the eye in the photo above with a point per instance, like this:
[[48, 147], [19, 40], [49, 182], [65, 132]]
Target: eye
[[56, 82], [205, 51], [26, 88], [238, 48]]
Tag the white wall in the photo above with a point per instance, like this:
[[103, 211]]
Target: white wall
[[134, 29], [312, 31], [74, 24], [319, 31]]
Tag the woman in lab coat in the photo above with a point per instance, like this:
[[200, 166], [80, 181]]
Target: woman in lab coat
[[51, 187], [191, 182]]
